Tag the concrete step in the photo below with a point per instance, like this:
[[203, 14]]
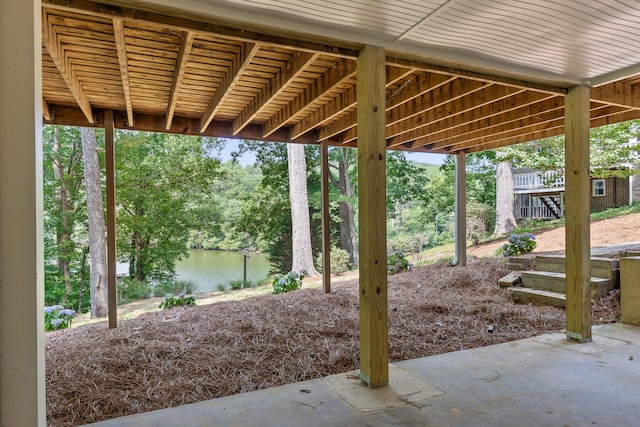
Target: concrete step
[[519, 263], [626, 254], [607, 268], [556, 282], [511, 279], [526, 295]]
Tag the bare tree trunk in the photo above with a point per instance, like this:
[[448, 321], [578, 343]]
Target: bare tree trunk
[[505, 219], [83, 276], [345, 210], [300, 222], [97, 229], [63, 230]]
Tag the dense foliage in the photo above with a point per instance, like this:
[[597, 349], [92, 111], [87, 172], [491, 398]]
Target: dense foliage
[[57, 317], [612, 148], [66, 238], [518, 244], [171, 301], [173, 193], [165, 186], [287, 282]]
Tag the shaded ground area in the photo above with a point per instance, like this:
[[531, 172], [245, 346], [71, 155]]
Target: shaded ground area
[[611, 231], [191, 354]]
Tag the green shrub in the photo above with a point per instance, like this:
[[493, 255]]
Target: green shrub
[[287, 282], [173, 301], [396, 262], [221, 287], [173, 287], [519, 244], [235, 285], [57, 317], [339, 259], [132, 290], [482, 218]]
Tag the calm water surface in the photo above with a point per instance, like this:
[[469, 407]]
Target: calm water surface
[[208, 269]]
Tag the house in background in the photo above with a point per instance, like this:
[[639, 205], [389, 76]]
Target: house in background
[[540, 195]]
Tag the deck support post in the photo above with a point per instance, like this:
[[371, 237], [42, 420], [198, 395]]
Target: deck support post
[[111, 217], [461, 210], [372, 216], [22, 361], [577, 206], [326, 234]]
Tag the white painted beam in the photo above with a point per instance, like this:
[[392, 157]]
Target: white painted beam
[[22, 366], [621, 74]]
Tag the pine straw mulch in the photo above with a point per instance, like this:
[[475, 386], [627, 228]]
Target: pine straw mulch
[[191, 354]]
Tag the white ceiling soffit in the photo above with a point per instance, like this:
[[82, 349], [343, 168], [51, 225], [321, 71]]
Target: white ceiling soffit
[[557, 41]]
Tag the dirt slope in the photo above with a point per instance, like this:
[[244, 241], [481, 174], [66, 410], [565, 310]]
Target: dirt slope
[[613, 231]]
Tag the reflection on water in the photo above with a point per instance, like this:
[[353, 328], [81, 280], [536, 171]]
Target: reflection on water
[[208, 269]]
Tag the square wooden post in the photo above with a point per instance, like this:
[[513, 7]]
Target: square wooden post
[[326, 235], [110, 166], [461, 210], [578, 245], [372, 216]]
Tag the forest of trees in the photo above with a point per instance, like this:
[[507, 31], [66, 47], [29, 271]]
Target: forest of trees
[[175, 193]]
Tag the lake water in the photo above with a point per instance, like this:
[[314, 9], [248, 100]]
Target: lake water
[[208, 269]]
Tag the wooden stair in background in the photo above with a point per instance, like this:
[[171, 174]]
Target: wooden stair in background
[[547, 283]]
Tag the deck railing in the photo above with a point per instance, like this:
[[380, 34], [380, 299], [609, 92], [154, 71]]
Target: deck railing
[[536, 180], [534, 212]]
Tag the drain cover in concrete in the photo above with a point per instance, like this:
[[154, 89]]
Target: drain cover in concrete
[[404, 388]]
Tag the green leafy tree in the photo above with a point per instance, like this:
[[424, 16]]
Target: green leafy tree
[[223, 206], [270, 202], [439, 197], [161, 183], [406, 181], [610, 151], [65, 235], [344, 161]]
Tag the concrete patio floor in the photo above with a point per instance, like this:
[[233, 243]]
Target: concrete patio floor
[[540, 381]]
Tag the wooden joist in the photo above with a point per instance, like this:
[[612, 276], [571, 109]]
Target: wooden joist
[[243, 83], [341, 104], [57, 54], [46, 112], [336, 75], [121, 46], [246, 52], [67, 116], [277, 84], [521, 105], [178, 74], [622, 94], [418, 87]]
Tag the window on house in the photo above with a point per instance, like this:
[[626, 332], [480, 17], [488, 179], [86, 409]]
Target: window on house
[[598, 188]]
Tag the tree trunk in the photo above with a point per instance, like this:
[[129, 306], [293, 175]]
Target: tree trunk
[[63, 229], [97, 229], [300, 222], [83, 276], [345, 210], [505, 219]]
